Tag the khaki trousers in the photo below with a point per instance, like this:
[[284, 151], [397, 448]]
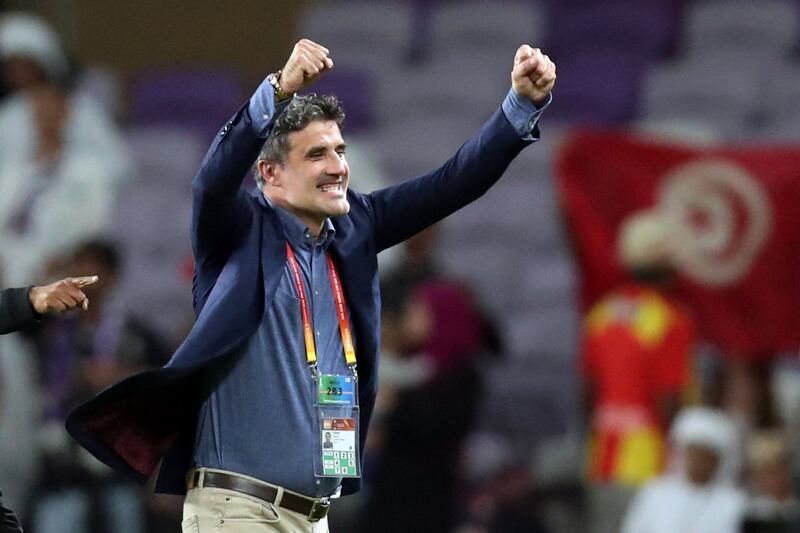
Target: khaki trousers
[[207, 510]]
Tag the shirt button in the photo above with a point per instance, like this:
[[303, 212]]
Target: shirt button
[[317, 332]]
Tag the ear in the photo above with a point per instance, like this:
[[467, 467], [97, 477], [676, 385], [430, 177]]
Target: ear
[[270, 172]]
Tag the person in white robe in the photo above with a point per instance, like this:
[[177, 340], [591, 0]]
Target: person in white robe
[[698, 494]]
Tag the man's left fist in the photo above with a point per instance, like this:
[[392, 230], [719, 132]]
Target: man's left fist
[[533, 75]]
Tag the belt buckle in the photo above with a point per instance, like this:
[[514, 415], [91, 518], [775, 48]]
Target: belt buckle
[[319, 510]]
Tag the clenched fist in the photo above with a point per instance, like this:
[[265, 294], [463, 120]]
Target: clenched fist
[[533, 75], [61, 296], [306, 64]]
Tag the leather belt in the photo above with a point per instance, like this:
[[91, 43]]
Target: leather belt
[[314, 509]]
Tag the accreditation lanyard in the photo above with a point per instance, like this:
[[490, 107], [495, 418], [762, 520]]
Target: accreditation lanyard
[[305, 314]]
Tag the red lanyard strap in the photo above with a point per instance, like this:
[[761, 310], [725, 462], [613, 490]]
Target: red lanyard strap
[[305, 314]]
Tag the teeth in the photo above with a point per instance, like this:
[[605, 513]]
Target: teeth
[[331, 187]]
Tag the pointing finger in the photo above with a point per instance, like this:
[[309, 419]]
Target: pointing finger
[[83, 281]]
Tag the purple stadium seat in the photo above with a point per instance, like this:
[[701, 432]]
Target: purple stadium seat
[[647, 26], [370, 34], [464, 27], [195, 99], [356, 91], [770, 27], [597, 87]]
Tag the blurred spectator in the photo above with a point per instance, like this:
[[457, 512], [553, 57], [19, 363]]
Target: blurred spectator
[[747, 390], [636, 360], [508, 502], [773, 505], [82, 354], [418, 264], [429, 393], [19, 409], [698, 495], [61, 159], [20, 308], [31, 53]]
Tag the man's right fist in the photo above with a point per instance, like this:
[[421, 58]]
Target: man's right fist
[[61, 295], [307, 63]]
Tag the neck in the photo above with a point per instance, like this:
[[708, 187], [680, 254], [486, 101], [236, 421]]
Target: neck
[[313, 222]]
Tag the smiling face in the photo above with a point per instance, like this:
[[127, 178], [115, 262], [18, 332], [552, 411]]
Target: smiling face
[[312, 182]]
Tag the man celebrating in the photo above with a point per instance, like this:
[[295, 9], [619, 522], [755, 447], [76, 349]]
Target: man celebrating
[[285, 345]]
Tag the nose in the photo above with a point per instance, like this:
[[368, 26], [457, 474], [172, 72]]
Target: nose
[[337, 166]]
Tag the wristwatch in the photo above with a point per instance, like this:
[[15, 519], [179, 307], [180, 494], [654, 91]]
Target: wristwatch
[[274, 80]]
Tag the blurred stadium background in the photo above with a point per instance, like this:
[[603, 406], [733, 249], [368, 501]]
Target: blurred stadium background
[[416, 78]]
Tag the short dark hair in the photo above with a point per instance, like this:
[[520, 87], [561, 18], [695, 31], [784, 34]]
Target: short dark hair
[[300, 112]]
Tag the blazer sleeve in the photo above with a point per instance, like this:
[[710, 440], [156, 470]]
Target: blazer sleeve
[[403, 210], [219, 207], [16, 311]]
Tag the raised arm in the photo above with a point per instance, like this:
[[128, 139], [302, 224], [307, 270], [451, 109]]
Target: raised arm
[[405, 209], [219, 204]]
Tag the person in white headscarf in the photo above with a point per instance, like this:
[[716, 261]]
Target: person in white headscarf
[[699, 494], [31, 52], [61, 158]]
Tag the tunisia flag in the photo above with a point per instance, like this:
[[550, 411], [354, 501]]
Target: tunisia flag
[[736, 214]]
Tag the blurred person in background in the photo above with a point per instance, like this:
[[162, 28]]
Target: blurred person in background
[[636, 365], [418, 261], [21, 308], [61, 158], [773, 505], [79, 356], [698, 494], [233, 411], [429, 394], [417, 264], [504, 496]]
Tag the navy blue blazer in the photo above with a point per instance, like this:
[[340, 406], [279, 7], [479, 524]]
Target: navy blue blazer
[[239, 249]]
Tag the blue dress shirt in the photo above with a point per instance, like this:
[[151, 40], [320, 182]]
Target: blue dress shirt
[[259, 418]]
